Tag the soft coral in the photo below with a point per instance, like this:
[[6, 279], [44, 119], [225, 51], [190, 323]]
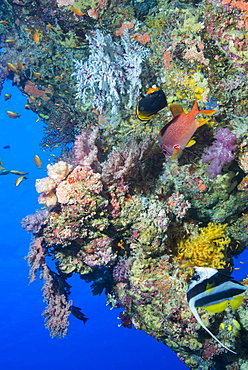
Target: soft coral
[[220, 152]]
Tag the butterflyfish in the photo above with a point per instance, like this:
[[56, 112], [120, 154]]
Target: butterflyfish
[[151, 103], [212, 290], [176, 135], [12, 114], [37, 161]]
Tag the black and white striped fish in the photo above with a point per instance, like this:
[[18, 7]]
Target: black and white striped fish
[[212, 290]]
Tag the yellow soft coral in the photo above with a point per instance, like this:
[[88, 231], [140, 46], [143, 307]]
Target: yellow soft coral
[[207, 248]]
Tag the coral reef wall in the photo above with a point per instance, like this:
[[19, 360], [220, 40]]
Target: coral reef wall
[[129, 220]]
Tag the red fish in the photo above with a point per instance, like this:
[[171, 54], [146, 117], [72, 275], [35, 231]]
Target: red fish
[[176, 135]]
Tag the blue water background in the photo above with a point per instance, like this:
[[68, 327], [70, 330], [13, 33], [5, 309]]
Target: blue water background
[[25, 343]]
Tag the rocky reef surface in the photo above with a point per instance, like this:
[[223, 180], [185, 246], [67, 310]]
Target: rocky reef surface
[[132, 222]]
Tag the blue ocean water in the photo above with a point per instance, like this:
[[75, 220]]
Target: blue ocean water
[[25, 343]]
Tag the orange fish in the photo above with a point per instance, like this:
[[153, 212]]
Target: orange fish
[[76, 11], [7, 96], [19, 180], [36, 74], [12, 114], [10, 41], [36, 36], [20, 66], [27, 106], [18, 172], [12, 67], [176, 135], [37, 161]]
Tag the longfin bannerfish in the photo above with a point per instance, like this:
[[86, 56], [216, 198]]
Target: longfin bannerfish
[[176, 135], [151, 103], [212, 290]]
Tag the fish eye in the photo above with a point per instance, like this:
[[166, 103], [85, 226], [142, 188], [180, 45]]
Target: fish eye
[[195, 276]]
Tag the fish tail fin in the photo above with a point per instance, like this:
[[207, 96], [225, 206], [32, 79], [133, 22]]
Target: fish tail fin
[[195, 313], [208, 112]]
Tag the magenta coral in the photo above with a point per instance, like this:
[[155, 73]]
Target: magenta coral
[[220, 152]]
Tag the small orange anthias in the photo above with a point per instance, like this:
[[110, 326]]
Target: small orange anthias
[[176, 135]]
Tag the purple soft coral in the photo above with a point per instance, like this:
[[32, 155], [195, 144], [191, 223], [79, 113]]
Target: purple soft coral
[[32, 223], [220, 152]]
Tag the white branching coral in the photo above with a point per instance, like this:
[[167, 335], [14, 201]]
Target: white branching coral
[[112, 71]]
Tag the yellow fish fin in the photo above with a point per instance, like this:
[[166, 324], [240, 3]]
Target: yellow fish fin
[[176, 109], [236, 302], [141, 117], [208, 112], [202, 121], [176, 154], [152, 89], [190, 143], [217, 307]]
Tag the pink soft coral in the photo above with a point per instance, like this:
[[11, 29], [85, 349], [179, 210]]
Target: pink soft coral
[[220, 152]]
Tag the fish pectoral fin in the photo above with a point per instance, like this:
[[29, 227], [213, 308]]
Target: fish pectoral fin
[[217, 307], [202, 121], [190, 143], [209, 112], [236, 302], [176, 154], [176, 109]]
